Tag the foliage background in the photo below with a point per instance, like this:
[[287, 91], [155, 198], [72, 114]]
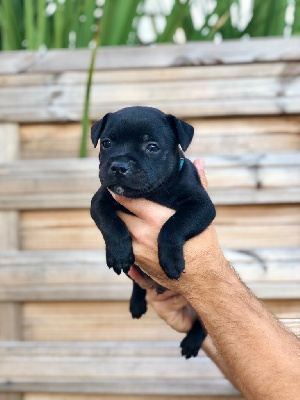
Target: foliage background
[[40, 24]]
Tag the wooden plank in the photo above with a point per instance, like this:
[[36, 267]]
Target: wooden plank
[[144, 92], [238, 227], [10, 313], [126, 94], [111, 321], [11, 321], [212, 136], [81, 275], [9, 220], [82, 200], [93, 321], [9, 235], [104, 364], [47, 396], [9, 142], [116, 386], [159, 56], [254, 70], [41, 141], [11, 396], [252, 178], [199, 108]]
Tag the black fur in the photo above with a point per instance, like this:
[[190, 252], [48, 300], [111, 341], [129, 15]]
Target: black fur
[[140, 157]]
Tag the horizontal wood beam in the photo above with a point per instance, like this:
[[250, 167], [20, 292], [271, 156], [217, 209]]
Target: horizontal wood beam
[[159, 55], [70, 183], [83, 275]]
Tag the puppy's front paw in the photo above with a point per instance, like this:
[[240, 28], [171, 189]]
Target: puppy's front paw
[[119, 259], [138, 308], [171, 260]]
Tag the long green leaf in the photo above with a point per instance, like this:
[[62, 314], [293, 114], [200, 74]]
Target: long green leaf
[[10, 26], [41, 23], [85, 119], [58, 25], [107, 21], [174, 21], [29, 24], [296, 24], [268, 18]]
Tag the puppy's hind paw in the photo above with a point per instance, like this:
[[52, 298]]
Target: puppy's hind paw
[[189, 349], [192, 343], [137, 309]]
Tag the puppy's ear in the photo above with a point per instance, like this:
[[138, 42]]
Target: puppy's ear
[[98, 128], [183, 130]]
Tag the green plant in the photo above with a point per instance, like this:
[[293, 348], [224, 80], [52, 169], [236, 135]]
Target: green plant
[[31, 24]]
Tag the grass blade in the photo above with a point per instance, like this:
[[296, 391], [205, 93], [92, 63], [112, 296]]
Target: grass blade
[[86, 120], [10, 26], [174, 21], [296, 24], [41, 23], [58, 20], [29, 24]]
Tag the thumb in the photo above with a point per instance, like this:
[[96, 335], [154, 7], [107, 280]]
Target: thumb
[[200, 165]]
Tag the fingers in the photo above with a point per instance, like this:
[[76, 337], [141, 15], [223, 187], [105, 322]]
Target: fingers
[[145, 209], [137, 277], [134, 224], [200, 165]]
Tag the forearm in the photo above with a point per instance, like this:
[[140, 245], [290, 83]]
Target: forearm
[[261, 356], [211, 351]]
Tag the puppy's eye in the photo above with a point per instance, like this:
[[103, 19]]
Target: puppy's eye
[[106, 144], [152, 148]]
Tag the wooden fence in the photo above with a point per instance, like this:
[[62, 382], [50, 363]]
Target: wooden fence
[[65, 329]]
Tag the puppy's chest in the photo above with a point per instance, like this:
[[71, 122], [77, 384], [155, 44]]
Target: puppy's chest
[[167, 199]]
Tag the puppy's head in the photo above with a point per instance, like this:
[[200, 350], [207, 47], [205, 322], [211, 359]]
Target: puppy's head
[[139, 149]]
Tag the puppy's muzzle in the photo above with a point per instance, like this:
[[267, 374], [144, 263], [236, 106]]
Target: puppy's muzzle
[[119, 168]]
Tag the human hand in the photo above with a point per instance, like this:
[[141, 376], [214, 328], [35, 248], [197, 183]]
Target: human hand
[[200, 253]]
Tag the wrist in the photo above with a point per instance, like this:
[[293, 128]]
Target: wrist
[[204, 278]]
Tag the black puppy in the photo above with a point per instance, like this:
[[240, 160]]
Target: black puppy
[[140, 157]]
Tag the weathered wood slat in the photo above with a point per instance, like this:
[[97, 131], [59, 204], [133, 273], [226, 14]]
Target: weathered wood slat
[[205, 108], [111, 321], [93, 321], [48, 396], [82, 275], [192, 98], [154, 92], [255, 70], [239, 227], [70, 183], [112, 368], [162, 55], [212, 136], [210, 387], [10, 312]]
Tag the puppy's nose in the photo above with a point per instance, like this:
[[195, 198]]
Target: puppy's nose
[[119, 168]]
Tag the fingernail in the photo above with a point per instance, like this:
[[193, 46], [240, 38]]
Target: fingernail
[[199, 164]]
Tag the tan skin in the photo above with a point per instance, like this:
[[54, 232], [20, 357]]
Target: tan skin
[[252, 348]]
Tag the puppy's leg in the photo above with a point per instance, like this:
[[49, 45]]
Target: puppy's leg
[[138, 304], [119, 253], [190, 220], [191, 344]]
